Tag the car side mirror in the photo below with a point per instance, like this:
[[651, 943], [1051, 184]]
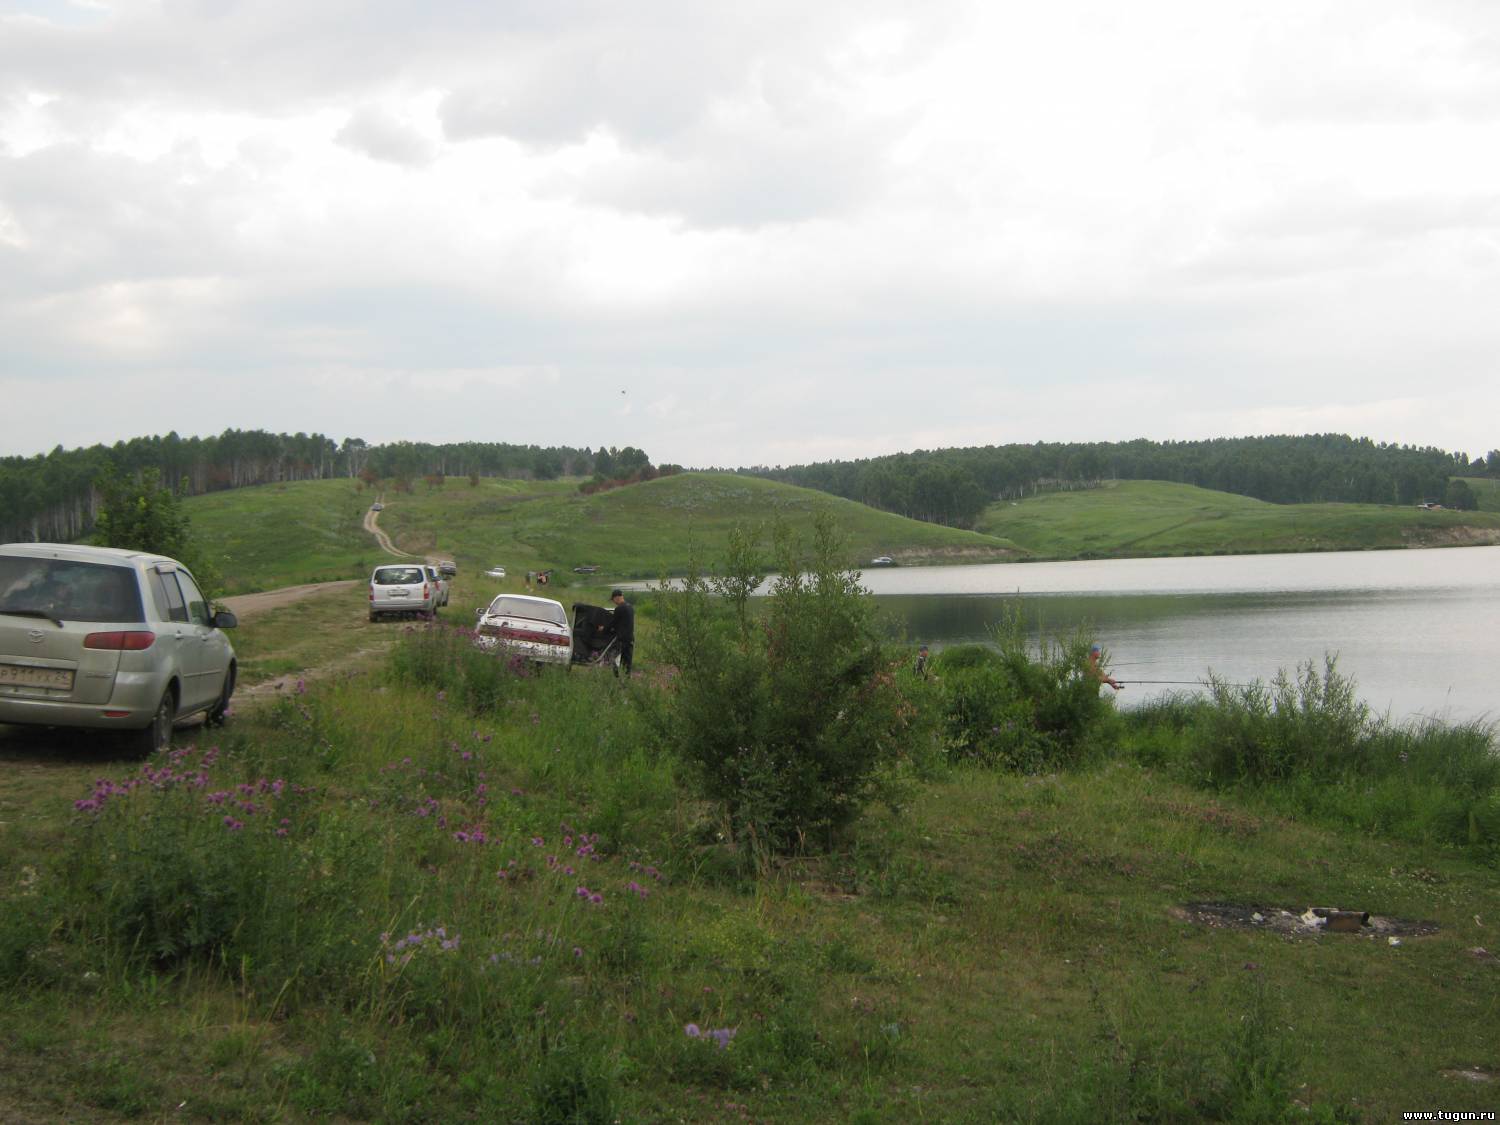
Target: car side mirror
[[479, 612], [223, 619]]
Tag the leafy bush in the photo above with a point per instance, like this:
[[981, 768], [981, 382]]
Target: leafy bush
[[792, 718], [1019, 708]]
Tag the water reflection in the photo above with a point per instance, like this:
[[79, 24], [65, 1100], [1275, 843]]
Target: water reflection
[[1418, 630]]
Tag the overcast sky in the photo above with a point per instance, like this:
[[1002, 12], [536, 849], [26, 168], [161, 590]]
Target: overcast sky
[[762, 233]]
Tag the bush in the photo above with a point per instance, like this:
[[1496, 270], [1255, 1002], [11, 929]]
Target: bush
[[1017, 708], [792, 718]]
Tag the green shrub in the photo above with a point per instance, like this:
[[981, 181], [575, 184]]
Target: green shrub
[[792, 718], [1021, 708]]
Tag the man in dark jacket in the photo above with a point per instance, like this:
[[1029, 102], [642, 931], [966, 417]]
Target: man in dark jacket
[[624, 630]]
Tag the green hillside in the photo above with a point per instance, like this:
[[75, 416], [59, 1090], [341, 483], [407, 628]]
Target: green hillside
[[1486, 491], [1136, 518], [310, 531], [642, 530]]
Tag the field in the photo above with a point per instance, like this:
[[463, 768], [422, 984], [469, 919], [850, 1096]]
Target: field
[[1006, 947], [1142, 518], [278, 535], [1486, 491]]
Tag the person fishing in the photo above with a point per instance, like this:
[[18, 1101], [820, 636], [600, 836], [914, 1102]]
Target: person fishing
[[921, 668], [1096, 667]]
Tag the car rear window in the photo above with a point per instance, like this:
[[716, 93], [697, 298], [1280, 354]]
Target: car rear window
[[535, 610], [69, 591], [397, 575]]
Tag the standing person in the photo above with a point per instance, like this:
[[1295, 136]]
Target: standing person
[[1096, 671], [624, 630], [921, 666]]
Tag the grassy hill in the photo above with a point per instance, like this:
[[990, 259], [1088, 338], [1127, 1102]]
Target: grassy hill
[[1486, 491], [277, 535], [1136, 518]]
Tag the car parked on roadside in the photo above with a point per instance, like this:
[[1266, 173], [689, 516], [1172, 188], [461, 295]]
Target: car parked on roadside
[[533, 628], [402, 588], [448, 567], [495, 572], [99, 638], [377, 507]]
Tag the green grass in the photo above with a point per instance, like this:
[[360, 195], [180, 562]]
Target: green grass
[[1486, 491], [1141, 518], [279, 535], [275, 535], [1006, 948]]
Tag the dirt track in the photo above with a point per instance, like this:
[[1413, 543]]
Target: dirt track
[[248, 605]]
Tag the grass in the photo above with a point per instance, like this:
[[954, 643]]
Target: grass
[[279, 535], [1143, 518], [1006, 947], [1486, 491], [275, 535]]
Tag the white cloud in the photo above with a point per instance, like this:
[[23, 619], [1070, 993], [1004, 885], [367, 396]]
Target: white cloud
[[789, 231]]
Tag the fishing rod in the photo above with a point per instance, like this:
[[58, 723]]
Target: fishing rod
[[1188, 683]]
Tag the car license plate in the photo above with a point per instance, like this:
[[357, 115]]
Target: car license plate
[[19, 675]]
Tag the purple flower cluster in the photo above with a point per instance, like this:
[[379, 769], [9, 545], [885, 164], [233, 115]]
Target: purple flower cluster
[[402, 950], [178, 770], [723, 1036], [645, 869], [590, 896], [471, 836]]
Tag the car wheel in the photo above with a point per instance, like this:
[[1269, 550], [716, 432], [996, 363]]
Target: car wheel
[[157, 735], [374, 617], [220, 710]]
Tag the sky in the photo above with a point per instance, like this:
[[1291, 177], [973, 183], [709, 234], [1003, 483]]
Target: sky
[[750, 234]]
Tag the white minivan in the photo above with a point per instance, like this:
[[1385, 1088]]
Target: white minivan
[[402, 588]]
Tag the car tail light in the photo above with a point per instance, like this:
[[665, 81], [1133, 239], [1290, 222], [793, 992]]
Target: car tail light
[[132, 640]]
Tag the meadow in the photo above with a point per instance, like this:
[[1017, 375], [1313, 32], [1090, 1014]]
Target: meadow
[[1142, 518], [431, 886], [278, 535], [1486, 491]]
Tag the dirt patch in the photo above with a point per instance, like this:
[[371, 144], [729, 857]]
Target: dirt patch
[[248, 605], [1311, 921]]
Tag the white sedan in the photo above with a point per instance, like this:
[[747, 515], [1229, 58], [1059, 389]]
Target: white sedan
[[495, 572], [535, 629]]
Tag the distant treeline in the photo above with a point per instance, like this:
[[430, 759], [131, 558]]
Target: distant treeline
[[953, 486], [53, 496]]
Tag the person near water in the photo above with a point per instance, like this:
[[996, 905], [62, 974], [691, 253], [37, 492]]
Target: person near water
[[1096, 669], [922, 660], [624, 630]]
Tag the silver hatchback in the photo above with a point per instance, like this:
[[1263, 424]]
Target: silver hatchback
[[106, 639]]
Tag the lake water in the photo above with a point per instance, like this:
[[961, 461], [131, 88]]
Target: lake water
[[1419, 630]]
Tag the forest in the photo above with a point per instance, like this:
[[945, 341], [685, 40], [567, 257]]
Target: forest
[[953, 486], [55, 496]]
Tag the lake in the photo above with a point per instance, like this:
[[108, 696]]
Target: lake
[[1418, 630]]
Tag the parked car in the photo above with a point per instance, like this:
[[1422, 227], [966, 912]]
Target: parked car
[[99, 638], [377, 507], [533, 628], [495, 572], [448, 567], [585, 570], [435, 576], [402, 588]]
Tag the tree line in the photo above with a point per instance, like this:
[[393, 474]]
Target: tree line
[[56, 496], [953, 486]]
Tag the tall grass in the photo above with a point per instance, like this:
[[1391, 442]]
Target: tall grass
[[1305, 742], [459, 889]]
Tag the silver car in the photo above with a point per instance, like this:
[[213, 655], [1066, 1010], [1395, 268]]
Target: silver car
[[106, 639], [402, 588]]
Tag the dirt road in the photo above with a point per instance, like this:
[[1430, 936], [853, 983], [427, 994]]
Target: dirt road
[[248, 605]]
